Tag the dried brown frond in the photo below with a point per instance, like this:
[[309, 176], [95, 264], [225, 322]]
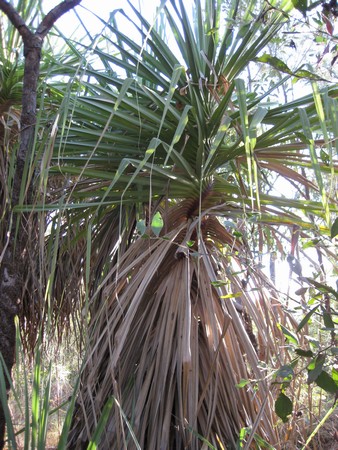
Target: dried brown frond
[[170, 342], [59, 275]]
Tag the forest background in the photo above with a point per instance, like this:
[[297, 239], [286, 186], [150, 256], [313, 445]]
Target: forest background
[[169, 217]]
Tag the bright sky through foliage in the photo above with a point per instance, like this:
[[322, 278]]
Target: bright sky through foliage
[[307, 50], [102, 8]]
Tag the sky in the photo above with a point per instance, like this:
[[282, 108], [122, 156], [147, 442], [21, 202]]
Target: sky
[[102, 8]]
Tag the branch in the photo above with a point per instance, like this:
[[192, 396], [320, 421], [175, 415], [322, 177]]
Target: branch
[[47, 22], [15, 18], [54, 14]]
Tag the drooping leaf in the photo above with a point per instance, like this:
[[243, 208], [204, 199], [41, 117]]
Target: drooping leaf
[[313, 342], [274, 62], [281, 66], [290, 337], [324, 157], [307, 317], [335, 375], [310, 243], [157, 223], [285, 372], [329, 24], [283, 407], [315, 368], [305, 353], [326, 382], [302, 73], [334, 229], [328, 322], [300, 5], [301, 291], [141, 226], [324, 288]]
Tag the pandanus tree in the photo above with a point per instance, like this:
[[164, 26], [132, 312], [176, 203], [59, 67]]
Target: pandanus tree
[[164, 164], [161, 182]]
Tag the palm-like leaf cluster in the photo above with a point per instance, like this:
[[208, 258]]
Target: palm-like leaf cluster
[[180, 313]]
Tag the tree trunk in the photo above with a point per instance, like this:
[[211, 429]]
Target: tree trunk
[[11, 269]]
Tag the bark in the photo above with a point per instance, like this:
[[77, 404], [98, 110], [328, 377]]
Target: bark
[[11, 269]]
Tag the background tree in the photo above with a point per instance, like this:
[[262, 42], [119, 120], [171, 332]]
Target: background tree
[[14, 228]]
